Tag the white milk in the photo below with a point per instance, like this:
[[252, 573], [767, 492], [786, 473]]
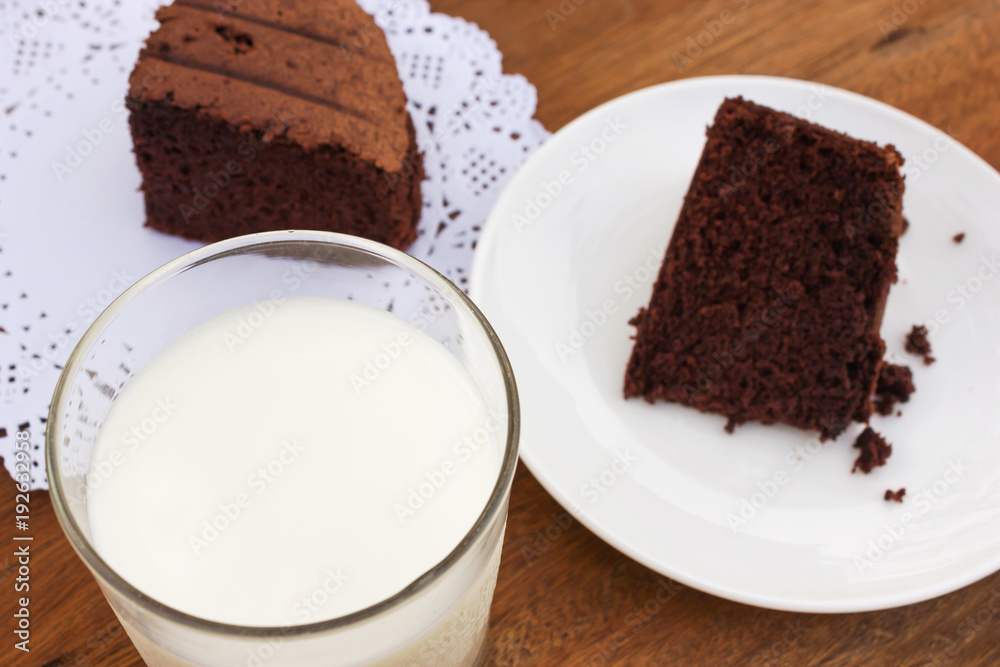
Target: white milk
[[288, 464]]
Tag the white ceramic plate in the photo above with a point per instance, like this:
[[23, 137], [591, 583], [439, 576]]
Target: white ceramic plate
[[765, 516]]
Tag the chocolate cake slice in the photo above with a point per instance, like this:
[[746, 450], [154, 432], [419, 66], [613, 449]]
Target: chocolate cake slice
[[256, 115], [769, 301]]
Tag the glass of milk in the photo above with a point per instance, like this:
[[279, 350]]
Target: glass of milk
[[290, 448]]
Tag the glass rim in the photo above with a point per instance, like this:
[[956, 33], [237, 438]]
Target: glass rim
[[238, 245]]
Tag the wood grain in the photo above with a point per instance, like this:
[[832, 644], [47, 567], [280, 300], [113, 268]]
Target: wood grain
[[565, 597]]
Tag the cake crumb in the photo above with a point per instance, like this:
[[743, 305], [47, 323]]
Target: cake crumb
[[958, 238], [917, 343], [874, 451], [895, 384], [894, 495]]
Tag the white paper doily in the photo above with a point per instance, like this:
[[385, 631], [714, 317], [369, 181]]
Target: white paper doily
[[71, 216]]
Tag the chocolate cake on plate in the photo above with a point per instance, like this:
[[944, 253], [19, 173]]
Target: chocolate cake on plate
[[769, 301], [258, 115]]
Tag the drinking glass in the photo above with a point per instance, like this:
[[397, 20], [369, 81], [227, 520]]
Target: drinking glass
[[439, 619]]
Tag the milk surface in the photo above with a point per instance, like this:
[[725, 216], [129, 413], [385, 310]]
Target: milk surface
[[291, 463]]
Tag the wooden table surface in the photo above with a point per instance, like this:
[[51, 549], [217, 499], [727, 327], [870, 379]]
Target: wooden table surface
[[571, 605]]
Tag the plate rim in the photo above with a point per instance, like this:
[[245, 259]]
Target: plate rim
[[868, 602]]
